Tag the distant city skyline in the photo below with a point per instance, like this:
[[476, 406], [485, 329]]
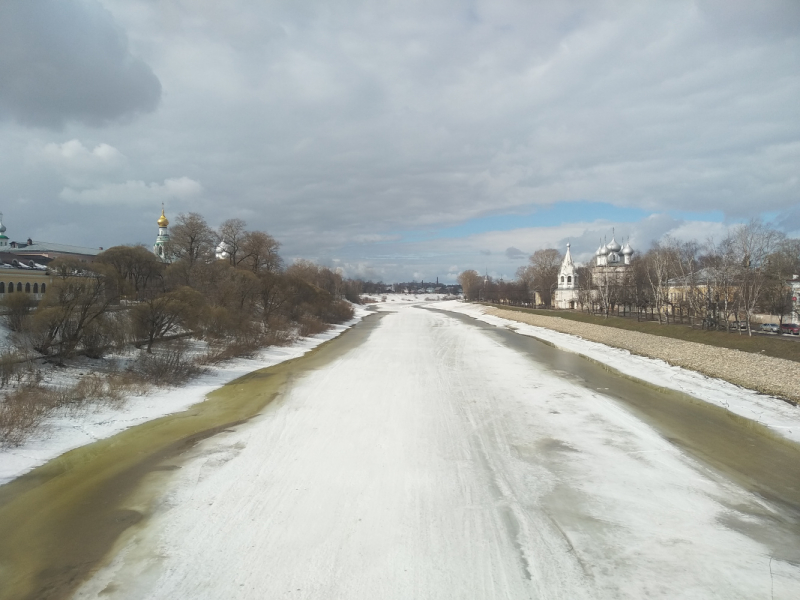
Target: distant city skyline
[[400, 141]]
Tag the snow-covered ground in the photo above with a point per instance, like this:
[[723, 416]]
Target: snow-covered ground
[[61, 433], [779, 416], [432, 461]]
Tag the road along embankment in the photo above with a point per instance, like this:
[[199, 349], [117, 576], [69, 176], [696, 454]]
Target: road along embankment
[[764, 374]]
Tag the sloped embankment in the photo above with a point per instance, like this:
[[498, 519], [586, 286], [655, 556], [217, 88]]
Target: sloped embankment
[[765, 374]]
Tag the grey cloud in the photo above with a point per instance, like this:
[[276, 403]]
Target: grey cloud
[[65, 60], [515, 253], [338, 130], [486, 252]]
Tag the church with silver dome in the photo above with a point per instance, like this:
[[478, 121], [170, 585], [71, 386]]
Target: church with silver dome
[[611, 264]]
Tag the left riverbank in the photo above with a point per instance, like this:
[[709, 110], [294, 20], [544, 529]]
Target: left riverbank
[[58, 521], [63, 432]]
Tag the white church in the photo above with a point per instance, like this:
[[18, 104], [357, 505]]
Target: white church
[[610, 260]]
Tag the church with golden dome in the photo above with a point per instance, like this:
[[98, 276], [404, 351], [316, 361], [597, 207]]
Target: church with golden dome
[[159, 248]]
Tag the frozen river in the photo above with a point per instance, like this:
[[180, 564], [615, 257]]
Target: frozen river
[[435, 460]]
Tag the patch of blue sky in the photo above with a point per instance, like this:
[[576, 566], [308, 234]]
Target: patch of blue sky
[[552, 216]]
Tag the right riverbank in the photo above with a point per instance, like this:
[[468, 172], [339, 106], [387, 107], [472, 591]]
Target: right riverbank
[[765, 374]]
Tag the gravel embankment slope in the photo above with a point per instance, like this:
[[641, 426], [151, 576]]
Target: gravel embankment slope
[[765, 374]]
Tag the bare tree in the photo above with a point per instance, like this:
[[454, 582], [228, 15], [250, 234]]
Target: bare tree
[[527, 280], [660, 261], [74, 301], [543, 272], [191, 239], [753, 244], [260, 252], [232, 234], [159, 316], [133, 268], [470, 284]]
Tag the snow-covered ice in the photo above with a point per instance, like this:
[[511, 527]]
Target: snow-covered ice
[[431, 461], [780, 416]]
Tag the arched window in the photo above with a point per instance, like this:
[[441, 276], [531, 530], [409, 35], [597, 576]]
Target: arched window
[[562, 279], [28, 287], [19, 286], [43, 288], [10, 286], [35, 288], [569, 278], [2, 287]]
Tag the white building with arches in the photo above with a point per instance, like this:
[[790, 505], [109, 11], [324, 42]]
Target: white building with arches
[[566, 294]]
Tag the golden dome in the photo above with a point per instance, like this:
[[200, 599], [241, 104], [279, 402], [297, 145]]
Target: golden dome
[[162, 220]]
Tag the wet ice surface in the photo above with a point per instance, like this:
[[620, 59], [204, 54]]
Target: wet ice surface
[[434, 462]]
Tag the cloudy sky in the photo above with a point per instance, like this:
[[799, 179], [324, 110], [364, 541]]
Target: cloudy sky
[[400, 139]]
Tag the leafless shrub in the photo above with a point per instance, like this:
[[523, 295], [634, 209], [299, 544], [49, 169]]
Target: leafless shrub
[[9, 365], [169, 366], [338, 311], [92, 389], [309, 325], [279, 332], [21, 414]]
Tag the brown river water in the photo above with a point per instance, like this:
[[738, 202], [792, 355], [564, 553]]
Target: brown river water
[[58, 522]]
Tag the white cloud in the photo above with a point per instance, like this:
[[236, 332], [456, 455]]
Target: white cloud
[[134, 192], [73, 155], [371, 238]]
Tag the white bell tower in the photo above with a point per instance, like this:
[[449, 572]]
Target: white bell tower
[[163, 236], [566, 295]]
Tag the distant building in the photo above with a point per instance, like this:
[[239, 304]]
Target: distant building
[[33, 252], [794, 285], [159, 248], [15, 280], [612, 263]]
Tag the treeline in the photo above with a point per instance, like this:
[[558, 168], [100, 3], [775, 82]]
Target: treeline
[[227, 286], [711, 283]]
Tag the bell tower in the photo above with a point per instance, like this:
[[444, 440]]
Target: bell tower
[[163, 236]]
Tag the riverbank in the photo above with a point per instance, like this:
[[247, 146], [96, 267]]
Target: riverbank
[[765, 374], [66, 430]]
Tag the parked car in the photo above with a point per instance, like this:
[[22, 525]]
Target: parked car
[[738, 325], [769, 328], [792, 328]]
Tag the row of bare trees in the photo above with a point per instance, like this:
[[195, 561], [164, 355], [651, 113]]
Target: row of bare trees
[[228, 286], [712, 283], [719, 282]]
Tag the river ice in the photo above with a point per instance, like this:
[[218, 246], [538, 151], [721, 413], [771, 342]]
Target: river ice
[[432, 461]]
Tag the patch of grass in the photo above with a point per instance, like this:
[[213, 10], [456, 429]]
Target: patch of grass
[[775, 346]]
